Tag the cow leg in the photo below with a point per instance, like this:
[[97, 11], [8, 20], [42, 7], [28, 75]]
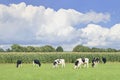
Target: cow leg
[[38, 65], [17, 65], [79, 65], [20, 65], [33, 64], [63, 65], [84, 65], [75, 67], [55, 66], [87, 65]]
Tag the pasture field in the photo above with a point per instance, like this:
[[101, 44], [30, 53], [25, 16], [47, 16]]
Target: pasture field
[[108, 71]]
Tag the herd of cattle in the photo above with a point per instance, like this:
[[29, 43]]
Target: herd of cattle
[[78, 63]]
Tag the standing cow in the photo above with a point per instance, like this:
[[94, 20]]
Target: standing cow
[[19, 63], [95, 61], [59, 62], [36, 62], [81, 61], [104, 60]]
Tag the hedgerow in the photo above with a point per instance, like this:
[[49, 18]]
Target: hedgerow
[[49, 57]]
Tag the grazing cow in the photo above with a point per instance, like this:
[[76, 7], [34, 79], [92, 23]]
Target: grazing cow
[[81, 61], [19, 63], [95, 61], [104, 60], [58, 62], [36, 62]]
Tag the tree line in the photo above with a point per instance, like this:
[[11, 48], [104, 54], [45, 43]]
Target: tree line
[[49, 48], [81, 48], [46, 48]]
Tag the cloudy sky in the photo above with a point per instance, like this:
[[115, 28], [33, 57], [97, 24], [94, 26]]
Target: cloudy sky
[[66, 23]]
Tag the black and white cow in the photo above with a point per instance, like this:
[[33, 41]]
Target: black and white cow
[[36, 62], [19, 63], [95, 61], [59, 62], [81, 61], [104, 60]]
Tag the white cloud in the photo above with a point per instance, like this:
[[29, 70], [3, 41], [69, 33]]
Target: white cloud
[[115, 32], [95, 17], [98, 36], [95, 35], [37, 24], [61, 24]]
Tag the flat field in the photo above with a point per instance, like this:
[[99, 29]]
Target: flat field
[[109, 71]]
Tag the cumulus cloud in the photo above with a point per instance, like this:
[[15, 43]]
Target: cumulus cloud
[[114, 33], [96, 35], [61, 24], [28, 24]]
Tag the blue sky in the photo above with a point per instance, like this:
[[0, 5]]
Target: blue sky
[[93, 23]]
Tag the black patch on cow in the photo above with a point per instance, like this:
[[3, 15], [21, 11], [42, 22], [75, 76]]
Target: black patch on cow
[[76, 62], [83, 60], [93, 62], [97, 60], [18, 63], [58, 61], [37, 62], [54, 63]]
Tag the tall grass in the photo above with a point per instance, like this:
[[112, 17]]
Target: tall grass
[[69, 57]]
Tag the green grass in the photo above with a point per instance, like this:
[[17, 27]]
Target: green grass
[[109, 71]]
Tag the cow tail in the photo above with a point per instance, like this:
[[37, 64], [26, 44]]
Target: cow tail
[[17, 65]]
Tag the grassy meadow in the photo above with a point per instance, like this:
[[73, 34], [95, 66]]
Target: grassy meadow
[[109, 71]]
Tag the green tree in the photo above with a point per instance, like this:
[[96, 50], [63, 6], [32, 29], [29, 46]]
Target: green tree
[[81, 48], [16, 48], [37, 49], [47, 48], [94, 49], [30, 49], [8, 50], [1, 50], [59, 49], [111, 50]]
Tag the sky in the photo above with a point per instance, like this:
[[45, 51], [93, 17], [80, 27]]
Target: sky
[[66, 23]]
